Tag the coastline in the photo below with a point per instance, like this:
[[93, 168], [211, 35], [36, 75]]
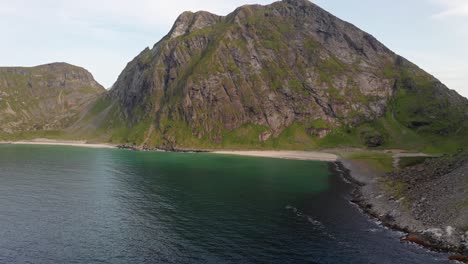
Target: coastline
[[293, 155], [369, 195], [393, 213], [373, 199], [69, 143]]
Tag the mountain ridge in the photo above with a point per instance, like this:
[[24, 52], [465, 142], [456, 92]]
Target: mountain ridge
[[288, 75], [43, 98], [261, 70]]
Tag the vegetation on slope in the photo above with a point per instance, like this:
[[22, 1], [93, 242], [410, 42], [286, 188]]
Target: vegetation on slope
[[283, 76], [43, 98]]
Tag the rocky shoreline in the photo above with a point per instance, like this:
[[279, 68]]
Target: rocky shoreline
[[177, 150], [411, 206], [388, 207]]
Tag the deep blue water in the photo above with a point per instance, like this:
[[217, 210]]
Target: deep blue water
[[77, 205]]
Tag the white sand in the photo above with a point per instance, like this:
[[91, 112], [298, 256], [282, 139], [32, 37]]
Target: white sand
[[296, 155], [51, 142]]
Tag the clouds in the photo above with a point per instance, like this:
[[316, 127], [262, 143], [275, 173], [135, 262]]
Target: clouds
[[452, 8], [137, 14], [101, 36]]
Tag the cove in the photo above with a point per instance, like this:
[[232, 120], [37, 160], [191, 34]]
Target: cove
[[77, 205]]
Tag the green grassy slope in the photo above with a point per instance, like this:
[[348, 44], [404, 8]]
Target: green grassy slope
[[43, 98]]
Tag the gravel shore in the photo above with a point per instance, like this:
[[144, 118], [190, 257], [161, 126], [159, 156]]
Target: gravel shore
[[429, 201]]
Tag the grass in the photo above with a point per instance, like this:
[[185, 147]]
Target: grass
[[421, 105], [398, 190], [246, 135], [390, 71], [311, 45], [329, 67], [411, 161], [98, 107], [395, 136], [28, 135], [319, 123], [382, 162], [341, 137], [464, 204], [296, 86], [294, 137]]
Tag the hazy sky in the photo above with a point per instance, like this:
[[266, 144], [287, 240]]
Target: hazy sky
[[104, 35]]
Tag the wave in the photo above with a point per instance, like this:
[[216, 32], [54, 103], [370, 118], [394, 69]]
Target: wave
[[306, 217]]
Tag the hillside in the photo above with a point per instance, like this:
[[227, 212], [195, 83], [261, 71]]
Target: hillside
[[44, 99], [288, 75]]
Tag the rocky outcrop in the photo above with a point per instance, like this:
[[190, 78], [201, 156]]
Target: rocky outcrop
[[43, 98], [437, 191], [263, 69], [189, 22], [429, 201]]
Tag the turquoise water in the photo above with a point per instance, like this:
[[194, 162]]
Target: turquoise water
[[78, 205]]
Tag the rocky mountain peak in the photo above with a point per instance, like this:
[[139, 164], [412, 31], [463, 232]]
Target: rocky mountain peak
[[263, 71], [57, 65], [188, 22], [298, 3]]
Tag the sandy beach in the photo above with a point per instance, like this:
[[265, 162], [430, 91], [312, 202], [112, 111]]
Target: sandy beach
[[296, 155], [51, 142]]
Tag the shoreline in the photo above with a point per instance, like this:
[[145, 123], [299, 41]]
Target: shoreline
[[68, 143], [368, 194], [280, 154], [379, 204], [291, 155]]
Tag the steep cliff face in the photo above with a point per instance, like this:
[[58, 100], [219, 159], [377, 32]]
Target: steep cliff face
[[43, 98], [267, 74]]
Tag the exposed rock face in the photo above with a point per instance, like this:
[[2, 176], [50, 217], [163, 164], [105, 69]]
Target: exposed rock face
[[269, 67], [45, 97], [189, 22]]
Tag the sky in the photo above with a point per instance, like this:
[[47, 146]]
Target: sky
[[102, 36]]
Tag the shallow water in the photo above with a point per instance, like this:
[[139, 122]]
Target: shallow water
[[77, 205]]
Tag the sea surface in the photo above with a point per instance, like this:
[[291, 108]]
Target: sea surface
[[78, 205]]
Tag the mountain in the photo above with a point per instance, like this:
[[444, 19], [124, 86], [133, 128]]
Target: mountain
[[43, 98], [287, 75]]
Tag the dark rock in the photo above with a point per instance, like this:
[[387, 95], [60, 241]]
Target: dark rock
[[460, 258], [372, 138], [318, 132], [419, 239]]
